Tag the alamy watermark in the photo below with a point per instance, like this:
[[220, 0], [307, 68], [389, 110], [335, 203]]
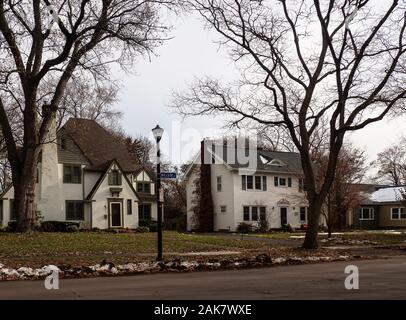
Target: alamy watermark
[[51, 282], [351, 282]]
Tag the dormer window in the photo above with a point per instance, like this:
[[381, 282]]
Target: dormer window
[[276, 162]]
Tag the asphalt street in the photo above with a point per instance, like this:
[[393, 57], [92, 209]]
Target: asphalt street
[[378, 279]]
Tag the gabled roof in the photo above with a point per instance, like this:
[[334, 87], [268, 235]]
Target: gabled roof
[[103, 176], [98, 145]]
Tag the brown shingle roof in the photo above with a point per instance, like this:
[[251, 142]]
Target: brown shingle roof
[[98, 145]]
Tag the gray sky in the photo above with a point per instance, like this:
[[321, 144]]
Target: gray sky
[[193, 53]]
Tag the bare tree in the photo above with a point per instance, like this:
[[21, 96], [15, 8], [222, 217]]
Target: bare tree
[[42, 47], [86, 99], [305, 63], [344, 192], [391, 163]]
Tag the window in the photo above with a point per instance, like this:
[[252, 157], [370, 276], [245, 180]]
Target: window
[[253, 183], [282, 182], [144, 187], [254, 213], [144, 212], [72, 173], [246, 213], [13, 214], [129, 207], [301, 185], [366, 214], [250, 182], [264, 187], [262, 213], [63, 143], [219, 184], [223, 209], [74, 210], [303, 214], [398, 214], [258, 185], [114, 178]]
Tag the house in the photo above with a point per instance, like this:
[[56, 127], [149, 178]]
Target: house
[[85, 174], [381, 207], [248, 185]]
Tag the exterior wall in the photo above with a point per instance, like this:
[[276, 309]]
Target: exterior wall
[[101, 217], [90, 179], [223, 221], [385, 220], [365, 224], [273, 199], [234, 198]]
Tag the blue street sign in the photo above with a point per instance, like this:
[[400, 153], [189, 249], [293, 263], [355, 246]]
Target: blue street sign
[[168, 175]]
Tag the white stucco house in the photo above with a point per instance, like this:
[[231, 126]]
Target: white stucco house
[[85, 174], [249, 185]]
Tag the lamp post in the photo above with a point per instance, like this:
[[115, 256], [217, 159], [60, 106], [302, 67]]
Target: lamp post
[[158, 131]]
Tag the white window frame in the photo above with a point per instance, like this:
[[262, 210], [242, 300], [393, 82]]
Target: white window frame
[[401, 210], [279, 182], [371, 210], [300, 208], [250, 213], [219, 184]]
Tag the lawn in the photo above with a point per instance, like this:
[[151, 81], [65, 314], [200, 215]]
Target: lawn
[[38, 249]]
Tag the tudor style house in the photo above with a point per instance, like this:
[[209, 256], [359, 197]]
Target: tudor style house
[[269, 188], [85, 174], [380, 207]]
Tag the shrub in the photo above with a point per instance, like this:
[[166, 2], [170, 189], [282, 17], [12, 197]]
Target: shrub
[[57, 226], [144, 222], [142, 229], [263, 226], [12, 226], [244, 227], [72, 228]]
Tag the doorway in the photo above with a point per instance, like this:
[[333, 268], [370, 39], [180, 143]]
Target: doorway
[[116, 213], [284, 216]]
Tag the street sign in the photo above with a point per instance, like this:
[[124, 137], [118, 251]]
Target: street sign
[[168, 175]]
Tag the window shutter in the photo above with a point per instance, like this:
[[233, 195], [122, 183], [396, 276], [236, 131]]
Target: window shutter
[[119, 178], [276, 181], [244, 182], [300, 185], [289, 182], [264, 187]]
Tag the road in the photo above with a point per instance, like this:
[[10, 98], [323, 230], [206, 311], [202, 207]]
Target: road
[[379, 279]]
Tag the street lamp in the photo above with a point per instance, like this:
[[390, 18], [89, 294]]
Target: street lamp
[[158, 132]]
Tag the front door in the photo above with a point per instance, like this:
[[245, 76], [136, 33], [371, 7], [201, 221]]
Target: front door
[[116, 214], [284, 216]]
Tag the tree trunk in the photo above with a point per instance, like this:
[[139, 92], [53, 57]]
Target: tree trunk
[[330, 230], [24, 192], [311, 241]]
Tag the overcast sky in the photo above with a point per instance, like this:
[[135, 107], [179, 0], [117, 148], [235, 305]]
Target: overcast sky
[[193, 53]]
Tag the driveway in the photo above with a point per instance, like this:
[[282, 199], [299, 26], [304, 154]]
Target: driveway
[[379, 279]]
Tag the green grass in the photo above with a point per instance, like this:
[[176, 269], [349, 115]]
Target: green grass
[[85, 248]]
